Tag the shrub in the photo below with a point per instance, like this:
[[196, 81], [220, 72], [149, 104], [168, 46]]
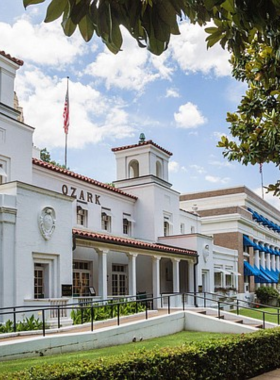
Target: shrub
[[237, 357], [110, 310], [265, 294], [27, 324]]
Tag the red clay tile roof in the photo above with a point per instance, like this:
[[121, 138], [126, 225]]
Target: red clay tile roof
[[13, 59], [149, 142], [47, 165], [89, 235]]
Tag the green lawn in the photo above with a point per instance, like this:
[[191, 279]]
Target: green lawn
[[178, 339], [258, 314]]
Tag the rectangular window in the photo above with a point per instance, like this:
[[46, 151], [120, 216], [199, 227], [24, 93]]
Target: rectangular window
[[3, 174], [38, 281], [217, 279], [182, 228], [82, 216], [106, 219], [119, 280], [127, 224], [228, 280]]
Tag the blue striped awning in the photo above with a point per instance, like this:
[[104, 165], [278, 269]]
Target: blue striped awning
[[260, 274], [249, 270], [261, 278], [249, 243], [268, 274]]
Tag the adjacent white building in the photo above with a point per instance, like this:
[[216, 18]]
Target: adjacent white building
[[239, 219]]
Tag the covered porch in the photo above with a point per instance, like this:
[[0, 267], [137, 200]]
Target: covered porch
[[113, 266]]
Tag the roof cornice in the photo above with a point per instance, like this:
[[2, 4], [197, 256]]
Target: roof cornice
[[57, 169], [139, 244], [149, 142]]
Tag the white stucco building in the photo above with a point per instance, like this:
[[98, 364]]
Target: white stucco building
[[64, 236]]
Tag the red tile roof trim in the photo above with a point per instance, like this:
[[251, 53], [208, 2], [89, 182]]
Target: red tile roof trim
[[13, 59], [149, 142], [49, 166], [131, 243]]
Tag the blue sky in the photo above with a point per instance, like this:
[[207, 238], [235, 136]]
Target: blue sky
[[179, 100]]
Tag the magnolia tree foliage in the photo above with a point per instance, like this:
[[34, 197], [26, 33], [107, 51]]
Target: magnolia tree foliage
[[250, 29], [255, 125], [151, 22]]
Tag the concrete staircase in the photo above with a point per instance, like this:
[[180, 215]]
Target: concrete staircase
[[231, 317]]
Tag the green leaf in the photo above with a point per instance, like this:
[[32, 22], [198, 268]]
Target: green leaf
[[211, 30], [26, 3], [79, 10], [68, 26], [55, 10], [229, 5], [214, 38], [86, 28]]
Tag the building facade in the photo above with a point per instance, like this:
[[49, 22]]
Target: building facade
[[66, 237], [239, 219]]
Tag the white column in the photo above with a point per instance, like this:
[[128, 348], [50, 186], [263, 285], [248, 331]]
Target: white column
[[268, 261], [262, 259], [257, 259], [102, 273], [273, 267], [132, 273], [156, 281], [278, 263], [176, 280]]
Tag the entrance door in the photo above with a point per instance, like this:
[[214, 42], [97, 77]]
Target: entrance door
[[81, 277], [119, 280]]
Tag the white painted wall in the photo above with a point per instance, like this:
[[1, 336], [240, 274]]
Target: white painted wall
[[28, 245]]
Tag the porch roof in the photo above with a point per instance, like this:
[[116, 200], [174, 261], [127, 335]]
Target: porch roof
[[139, 244]]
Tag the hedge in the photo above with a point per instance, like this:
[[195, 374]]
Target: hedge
[[237, 357]]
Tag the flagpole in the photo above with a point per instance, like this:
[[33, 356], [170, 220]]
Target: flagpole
[[66, 121], [65, 153], [261, 172]]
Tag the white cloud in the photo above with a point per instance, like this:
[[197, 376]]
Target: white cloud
[[189, 116], [92, 116], [214, 179], [190, 51], [221, 164], [172, 93], [131, 69], [268, 197], [173, 167], [235, 91], [198, 169], [41, 44]]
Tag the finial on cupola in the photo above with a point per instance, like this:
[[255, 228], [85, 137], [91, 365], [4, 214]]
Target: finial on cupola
[[142, 138]]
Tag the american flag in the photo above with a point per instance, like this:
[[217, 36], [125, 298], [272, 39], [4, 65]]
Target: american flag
[[261, 168], [66, 113]]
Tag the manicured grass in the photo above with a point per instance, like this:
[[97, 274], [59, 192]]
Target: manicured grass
[[258, 314], [178, 339]]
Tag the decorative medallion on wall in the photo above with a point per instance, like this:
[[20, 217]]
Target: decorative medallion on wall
[[47, 222], [206, 253]]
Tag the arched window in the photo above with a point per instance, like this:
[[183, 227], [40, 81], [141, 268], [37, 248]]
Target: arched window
[[133, 169], [158, 169]]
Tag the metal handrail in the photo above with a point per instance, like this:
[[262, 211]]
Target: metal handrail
[[95, 304]]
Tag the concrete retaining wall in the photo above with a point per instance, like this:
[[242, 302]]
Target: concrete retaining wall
[[116, 335]]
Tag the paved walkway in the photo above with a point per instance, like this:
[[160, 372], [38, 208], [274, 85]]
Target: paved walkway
[[87, 326], [272, 375]]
